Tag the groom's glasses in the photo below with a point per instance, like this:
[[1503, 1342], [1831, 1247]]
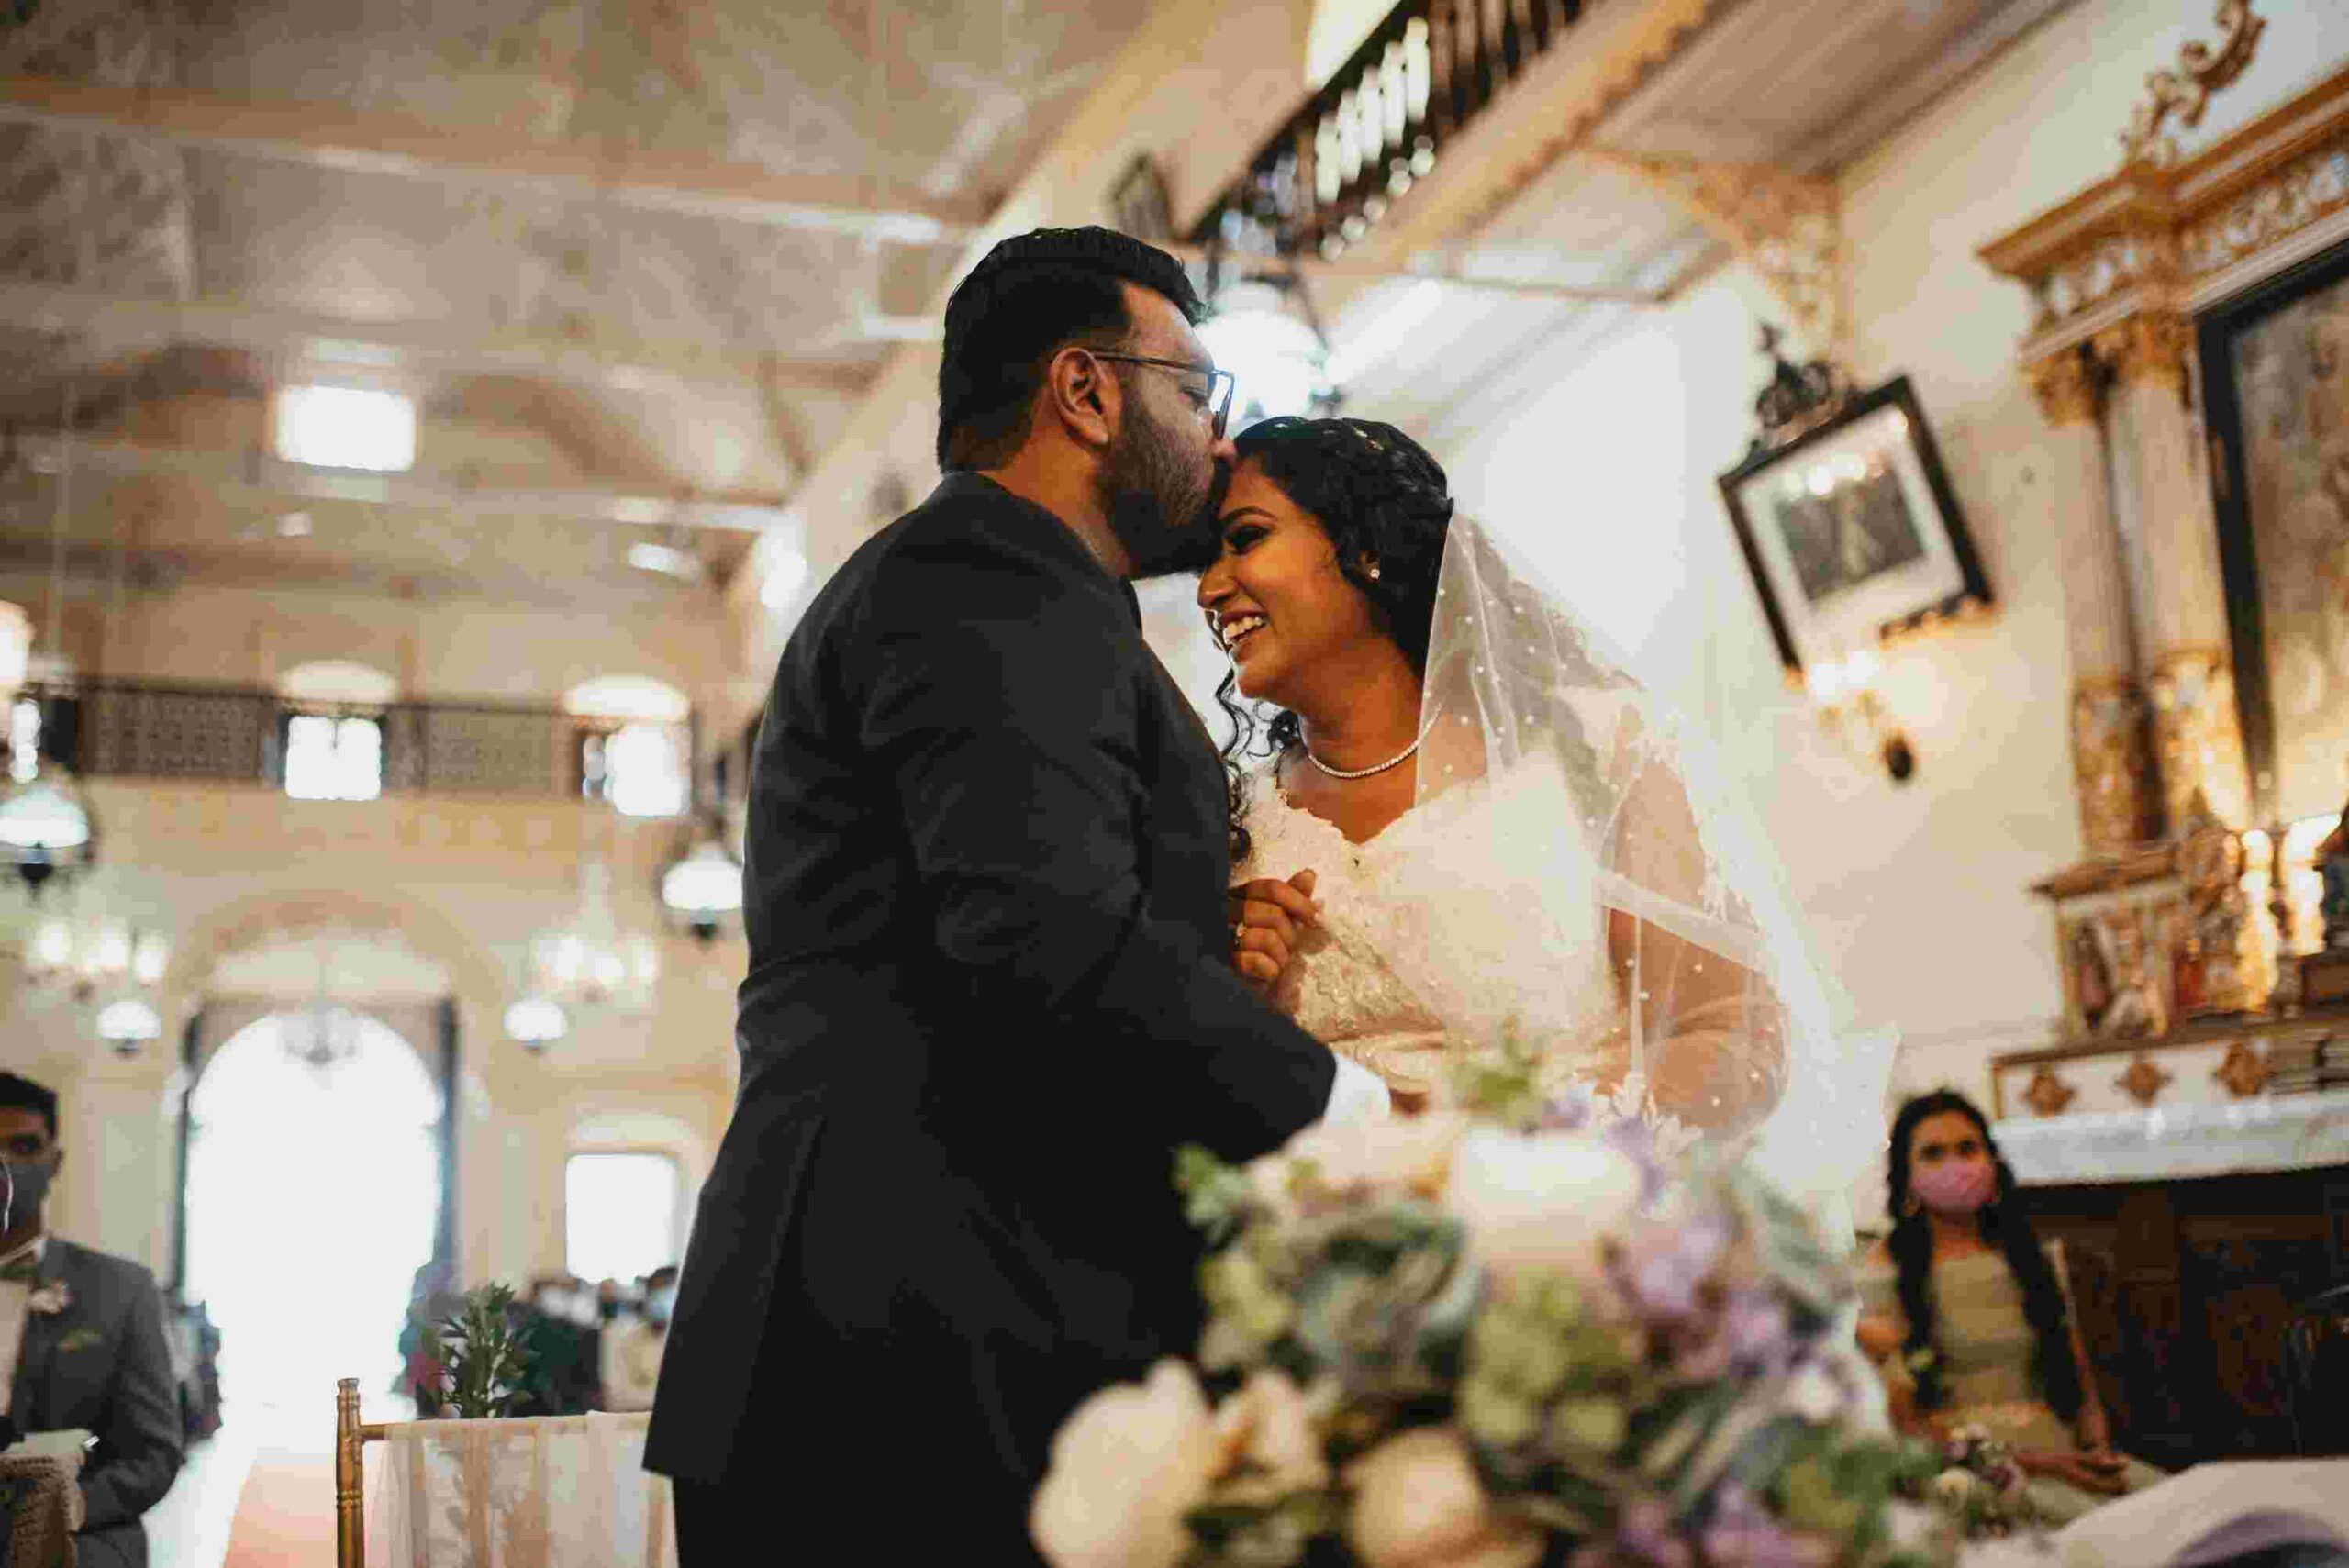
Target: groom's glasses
[[1219, 383]]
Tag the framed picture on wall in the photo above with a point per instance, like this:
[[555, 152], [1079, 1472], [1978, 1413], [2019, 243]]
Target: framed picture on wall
[[1852, 531], [2275, 392], [1139, 205]]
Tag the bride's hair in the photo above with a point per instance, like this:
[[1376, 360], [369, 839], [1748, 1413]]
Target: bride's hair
[[1379, 497]]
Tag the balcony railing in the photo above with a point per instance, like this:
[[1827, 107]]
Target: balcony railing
[[1326, 178], [238, 735]]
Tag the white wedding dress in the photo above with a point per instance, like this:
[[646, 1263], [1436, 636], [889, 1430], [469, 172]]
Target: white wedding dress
[[1420, 946]]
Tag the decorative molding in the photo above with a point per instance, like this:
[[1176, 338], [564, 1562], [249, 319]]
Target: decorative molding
[[2175, 237], [2197, 738], [2186, 91], [2064, 385], [1787, 227], [2301, 193], [2112, 771], [2244, 1072], [2145, 1080], [2048, 1094], [2147, 348]]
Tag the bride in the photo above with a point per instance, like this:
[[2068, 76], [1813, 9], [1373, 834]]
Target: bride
[[1471, 821]]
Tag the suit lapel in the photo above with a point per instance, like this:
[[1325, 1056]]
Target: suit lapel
[[27, 1395]]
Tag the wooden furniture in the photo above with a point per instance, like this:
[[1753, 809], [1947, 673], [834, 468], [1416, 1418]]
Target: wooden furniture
[[528, 1492], [2186, 1290]]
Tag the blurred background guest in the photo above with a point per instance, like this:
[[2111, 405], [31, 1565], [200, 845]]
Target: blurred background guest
[[632, 1346], [1971, 1318]]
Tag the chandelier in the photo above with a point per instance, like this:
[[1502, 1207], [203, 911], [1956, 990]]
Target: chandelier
[[324, 1038], [536, 1022], [702, 889], [590, 962], [87, 949], [45, 820], [1264, 332]]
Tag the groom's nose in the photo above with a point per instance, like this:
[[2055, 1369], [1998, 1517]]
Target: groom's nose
[[1225, 454]]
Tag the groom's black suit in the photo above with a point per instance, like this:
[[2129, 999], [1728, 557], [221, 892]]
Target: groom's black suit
[[989, 996]]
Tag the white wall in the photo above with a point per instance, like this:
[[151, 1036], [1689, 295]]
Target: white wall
[[1602, 465]]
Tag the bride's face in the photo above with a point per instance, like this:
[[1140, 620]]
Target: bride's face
[[1274, 597]]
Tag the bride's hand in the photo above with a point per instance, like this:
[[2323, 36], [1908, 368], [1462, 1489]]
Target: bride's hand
[[1266, 918]]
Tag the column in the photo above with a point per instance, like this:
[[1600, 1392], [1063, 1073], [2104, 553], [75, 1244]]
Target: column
[[2189, 675], [2112, 775]]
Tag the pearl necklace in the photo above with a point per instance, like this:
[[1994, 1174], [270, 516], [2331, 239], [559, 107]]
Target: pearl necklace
[[1397, 761]]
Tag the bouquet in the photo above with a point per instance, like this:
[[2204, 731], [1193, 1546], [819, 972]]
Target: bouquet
[[1974, 1482], [1488, 1339]]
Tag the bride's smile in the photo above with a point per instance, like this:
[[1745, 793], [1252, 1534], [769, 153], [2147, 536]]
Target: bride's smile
[[1296, 624]]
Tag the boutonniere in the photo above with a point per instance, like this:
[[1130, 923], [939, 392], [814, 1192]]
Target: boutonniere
[[80, 1339], [50, 1299]]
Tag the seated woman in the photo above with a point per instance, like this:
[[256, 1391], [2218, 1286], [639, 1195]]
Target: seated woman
[[1969, 1316]]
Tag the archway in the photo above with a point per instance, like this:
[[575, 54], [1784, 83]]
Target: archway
[[314, 1183]]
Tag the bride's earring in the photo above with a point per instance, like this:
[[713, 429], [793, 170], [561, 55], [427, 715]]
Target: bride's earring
[[1371, 572]]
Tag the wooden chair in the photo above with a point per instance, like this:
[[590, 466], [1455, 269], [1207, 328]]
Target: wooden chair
[[532, 1492]]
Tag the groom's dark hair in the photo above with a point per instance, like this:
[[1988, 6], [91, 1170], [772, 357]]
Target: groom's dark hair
[[1027, 298]]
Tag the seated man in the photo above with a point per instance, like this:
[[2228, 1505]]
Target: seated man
[[82, 1343]]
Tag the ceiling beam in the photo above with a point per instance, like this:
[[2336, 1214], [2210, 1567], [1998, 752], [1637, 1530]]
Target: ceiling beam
[[136, 322], [242, 475], [327, 135]]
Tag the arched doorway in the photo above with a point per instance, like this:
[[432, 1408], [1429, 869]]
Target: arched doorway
[[315, 1170]]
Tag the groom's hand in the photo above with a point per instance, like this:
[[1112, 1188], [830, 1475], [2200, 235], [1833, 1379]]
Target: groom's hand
[[1267, 918]]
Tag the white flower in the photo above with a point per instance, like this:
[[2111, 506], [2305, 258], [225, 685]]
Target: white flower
[[1954, 1485], [1410, 1152], [1541, 1201], [1126, 1465], [1417, 1505], [50, 1299], [1266, 1431], [1815, 1395]]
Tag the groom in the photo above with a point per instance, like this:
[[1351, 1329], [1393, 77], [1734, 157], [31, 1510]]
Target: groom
[[990, 989]]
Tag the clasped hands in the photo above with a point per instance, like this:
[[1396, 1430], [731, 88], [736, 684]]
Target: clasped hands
[[1268, 920]]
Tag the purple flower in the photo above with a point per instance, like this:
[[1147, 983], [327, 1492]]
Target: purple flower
[[1751, 1336], [1663, 1266], [1645, 1533], [1570, 1112], [1742, 1534], [1636, 1141]]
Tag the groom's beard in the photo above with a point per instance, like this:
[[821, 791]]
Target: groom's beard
[[1160, 507]]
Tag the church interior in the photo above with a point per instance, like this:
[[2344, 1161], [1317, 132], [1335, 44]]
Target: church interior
[[425, 424]]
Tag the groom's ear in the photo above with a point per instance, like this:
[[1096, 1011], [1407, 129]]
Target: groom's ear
[[1083, 397]]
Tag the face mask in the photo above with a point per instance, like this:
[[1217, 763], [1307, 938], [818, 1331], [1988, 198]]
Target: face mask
[[555, 1305], [1956, 1187], [659, 1304], [26, 1188]]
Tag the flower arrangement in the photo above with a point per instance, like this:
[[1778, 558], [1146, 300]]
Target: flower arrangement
[[1975, 1482], [1488, 1339], [480, 1355]]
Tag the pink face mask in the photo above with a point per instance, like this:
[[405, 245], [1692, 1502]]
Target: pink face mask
[[1956, 1187]]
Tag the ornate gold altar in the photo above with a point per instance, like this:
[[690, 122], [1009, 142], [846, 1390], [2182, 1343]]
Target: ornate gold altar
[[2199, 891]]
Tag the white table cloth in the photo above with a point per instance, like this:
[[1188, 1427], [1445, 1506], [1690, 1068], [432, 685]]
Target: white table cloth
[[538, 1492]]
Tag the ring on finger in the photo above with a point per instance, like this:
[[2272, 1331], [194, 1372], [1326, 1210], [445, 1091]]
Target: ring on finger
[[1239, 932]]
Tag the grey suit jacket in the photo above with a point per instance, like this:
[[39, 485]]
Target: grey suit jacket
[[102, 1364]]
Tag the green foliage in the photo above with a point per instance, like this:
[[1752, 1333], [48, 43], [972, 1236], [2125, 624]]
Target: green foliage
[[479, 1353]]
